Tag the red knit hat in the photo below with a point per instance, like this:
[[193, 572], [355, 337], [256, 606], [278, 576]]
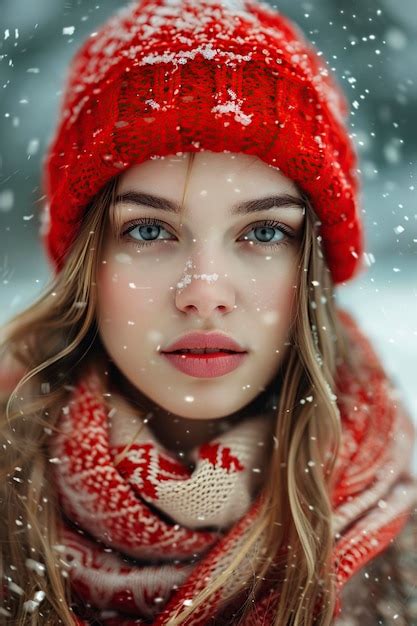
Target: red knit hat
[[164, 77]]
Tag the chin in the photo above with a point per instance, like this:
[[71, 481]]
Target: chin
[[203, 411]]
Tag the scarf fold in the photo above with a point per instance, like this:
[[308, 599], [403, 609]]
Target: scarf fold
[[142, 533]]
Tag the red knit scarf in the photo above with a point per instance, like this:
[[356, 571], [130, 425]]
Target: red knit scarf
[[142, 536]]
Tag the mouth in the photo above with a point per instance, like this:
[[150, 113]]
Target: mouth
[[204, 352], [205, 363], [203, 343]]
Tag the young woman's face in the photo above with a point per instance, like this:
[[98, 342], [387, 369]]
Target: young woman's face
[[211, 269]]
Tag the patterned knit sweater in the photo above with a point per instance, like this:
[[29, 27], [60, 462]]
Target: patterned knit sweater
[[384, 592]]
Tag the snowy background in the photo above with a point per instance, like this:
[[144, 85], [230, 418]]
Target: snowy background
[[372, 47]]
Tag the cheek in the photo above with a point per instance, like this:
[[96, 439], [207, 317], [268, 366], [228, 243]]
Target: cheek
[[126, 314], [124, 298], [276, 293], [274, 309]]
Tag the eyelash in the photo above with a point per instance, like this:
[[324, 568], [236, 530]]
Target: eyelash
[[154, 222]]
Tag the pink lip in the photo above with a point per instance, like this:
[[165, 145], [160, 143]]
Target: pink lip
[[202, 340], [206, 365]]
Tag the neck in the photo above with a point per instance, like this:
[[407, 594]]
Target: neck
[[180, 434]]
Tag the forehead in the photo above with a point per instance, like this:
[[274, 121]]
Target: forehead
[[214, 173]]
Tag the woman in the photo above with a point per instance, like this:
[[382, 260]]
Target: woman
[[202, 195]]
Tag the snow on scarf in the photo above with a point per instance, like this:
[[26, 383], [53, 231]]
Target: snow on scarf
[[142, 536]]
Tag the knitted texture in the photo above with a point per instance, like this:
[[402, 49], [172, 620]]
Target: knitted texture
[[144, 534], [385, 592], [168, 77]]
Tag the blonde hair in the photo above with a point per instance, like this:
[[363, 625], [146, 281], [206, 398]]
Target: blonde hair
[[52, 340]]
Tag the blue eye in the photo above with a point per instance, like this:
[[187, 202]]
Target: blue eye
[[267, 231], [147, 228], [150, 228]]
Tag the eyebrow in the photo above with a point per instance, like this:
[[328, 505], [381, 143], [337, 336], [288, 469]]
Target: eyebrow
[[242, 208]]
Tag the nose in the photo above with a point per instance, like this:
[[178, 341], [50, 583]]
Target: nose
[[205, 294]]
